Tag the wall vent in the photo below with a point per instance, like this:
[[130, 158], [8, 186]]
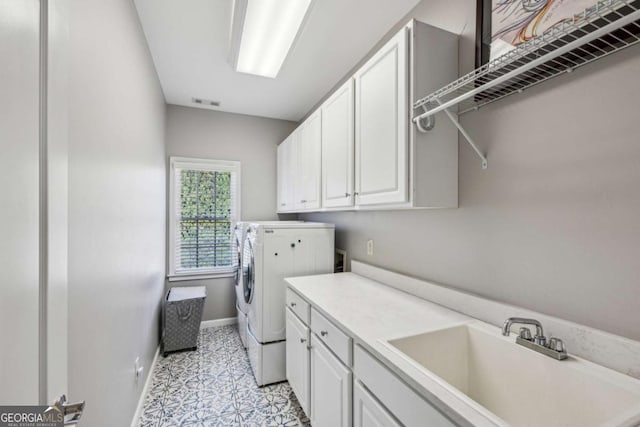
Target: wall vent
[[202, 101]]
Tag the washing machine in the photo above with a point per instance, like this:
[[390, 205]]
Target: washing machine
[[240, 233], [273, 252]]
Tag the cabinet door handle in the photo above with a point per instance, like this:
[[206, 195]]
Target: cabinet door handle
[[309, 347], [324, 333], [293, 304], [356, 193], [347, 194], [303, 340]]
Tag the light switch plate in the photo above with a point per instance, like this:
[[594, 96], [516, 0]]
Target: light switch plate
[[370, 247]]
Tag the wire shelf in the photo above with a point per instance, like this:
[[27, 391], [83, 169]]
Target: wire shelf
[[605, 28]]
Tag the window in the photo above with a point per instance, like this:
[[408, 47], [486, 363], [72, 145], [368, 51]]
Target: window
[[204, 205]]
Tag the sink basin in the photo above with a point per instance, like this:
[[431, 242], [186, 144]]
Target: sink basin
[[520, 386]]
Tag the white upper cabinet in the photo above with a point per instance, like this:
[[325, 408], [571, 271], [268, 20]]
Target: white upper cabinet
[[287, 160], [381, 125], [361, 150], [309, 160], [337, 148]]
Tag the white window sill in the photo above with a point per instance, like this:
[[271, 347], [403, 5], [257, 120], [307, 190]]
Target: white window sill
[[200, 276]]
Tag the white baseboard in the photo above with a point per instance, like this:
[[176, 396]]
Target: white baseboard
[[218, 322], [147, 384]]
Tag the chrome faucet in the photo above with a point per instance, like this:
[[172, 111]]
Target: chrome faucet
[[554, 348], [506, 328]]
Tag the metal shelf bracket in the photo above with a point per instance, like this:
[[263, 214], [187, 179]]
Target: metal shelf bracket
[[429, 123]]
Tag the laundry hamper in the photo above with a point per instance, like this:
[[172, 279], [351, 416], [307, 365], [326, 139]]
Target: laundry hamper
[[181, 315]]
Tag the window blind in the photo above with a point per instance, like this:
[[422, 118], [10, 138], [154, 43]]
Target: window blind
[[205, 208]]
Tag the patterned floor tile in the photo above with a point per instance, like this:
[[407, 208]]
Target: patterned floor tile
[[214, 386]]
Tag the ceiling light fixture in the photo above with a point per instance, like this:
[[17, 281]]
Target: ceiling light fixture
[[262, 33]]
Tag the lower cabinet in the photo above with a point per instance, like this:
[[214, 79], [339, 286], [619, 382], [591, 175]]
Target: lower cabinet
[[321, 381], [340, 384], [298, 359], [330, 388], [367, 411], [409, 408]]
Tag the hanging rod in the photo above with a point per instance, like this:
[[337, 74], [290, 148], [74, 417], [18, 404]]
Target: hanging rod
[[607, 27]]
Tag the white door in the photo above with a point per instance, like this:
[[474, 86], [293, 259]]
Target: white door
[[298, 361], [337, 148], [19, 168], [330, 388], [33, 217], [368, 412], [309, 161], [286, 178], [381, 125]]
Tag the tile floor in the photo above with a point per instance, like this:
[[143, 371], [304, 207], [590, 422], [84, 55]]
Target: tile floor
[[214, 386]]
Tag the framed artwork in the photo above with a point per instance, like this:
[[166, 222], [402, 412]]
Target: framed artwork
[[502, 25]]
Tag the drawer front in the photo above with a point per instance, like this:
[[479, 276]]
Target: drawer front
[[299, 306], [405, 404], [333, 337]]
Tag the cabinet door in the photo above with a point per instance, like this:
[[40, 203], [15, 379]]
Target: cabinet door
[[286, 175], [368, 412], [309, 160], [298, 373], [381, 125], [330, 388], [337, 148]]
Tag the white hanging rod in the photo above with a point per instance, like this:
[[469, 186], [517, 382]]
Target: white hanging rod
[[548, 57]]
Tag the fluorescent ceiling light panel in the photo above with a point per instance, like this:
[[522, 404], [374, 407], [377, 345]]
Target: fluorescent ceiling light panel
[[269, 29]]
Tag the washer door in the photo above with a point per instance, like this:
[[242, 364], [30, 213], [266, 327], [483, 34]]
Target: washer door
[[248, 269], [238, 273]]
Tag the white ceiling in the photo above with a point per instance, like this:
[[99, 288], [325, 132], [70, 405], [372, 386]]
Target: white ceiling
[[189, 42]]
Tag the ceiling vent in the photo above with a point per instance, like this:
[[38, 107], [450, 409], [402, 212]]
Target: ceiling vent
[[201, 101]]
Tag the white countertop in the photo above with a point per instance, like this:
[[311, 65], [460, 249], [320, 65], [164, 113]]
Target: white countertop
[[373, 313]]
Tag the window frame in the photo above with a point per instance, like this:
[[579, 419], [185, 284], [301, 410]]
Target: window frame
[[209, 165]]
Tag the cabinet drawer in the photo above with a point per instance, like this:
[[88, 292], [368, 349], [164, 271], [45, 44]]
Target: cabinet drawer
[[333, 337], [404, 403], [299, 306]]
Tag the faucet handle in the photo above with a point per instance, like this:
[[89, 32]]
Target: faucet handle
[[556, 344], [525, 334]]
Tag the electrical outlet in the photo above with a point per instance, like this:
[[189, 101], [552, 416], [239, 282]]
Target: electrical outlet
[[138, 369], [370, 247]]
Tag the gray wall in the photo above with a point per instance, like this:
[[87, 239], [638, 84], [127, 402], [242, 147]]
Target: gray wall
[[116, 208], [553, 224], [252, 140]]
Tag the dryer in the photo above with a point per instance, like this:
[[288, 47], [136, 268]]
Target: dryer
[[273, 252]]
